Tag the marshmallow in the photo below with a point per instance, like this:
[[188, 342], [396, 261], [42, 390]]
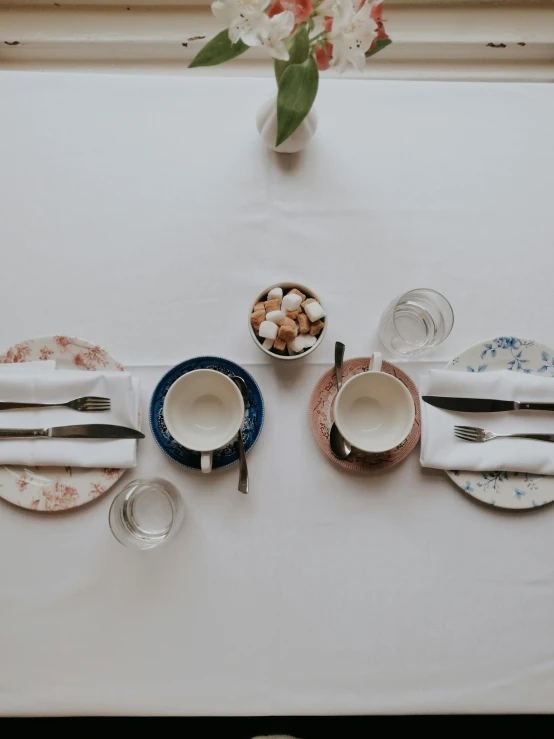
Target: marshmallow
[[296, 345], [268, 330], [301, 343], [296, 291], [291, 302], [276, 293], [314, 311], [268, 344], [276, 316]]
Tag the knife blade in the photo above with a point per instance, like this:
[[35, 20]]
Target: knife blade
[[482, 405], [84, 431]]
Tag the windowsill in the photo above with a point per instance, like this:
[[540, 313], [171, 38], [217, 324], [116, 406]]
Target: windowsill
[[461, 40]]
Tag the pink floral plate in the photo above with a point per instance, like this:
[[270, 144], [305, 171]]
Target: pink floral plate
[[57, 488], [321, 419]]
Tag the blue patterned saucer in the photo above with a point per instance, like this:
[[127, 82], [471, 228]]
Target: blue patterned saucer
[[253, 421]]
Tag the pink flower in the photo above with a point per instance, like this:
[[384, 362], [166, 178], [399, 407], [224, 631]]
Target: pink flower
[[46, 353], [376, 11], [22, 483], [60, 498], [323, 56], [376, 14], [302, 9], [62, 341]]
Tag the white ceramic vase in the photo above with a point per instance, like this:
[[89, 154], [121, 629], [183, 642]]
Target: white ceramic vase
[[266, 122]]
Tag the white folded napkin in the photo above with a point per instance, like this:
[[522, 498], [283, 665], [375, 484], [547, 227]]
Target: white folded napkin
[[441, 449], [46, 364], [39, 386]]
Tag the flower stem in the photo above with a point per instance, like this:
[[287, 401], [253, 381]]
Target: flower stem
[[319, 35]]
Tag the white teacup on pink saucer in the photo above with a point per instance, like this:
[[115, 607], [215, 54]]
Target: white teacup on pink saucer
[[374, 411]]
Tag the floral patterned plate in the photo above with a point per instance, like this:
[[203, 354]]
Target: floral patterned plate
[[321, 419], [515, 490], [57, 488], [253, 421]]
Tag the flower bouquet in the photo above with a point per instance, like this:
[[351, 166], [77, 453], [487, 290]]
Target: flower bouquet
[[304, 37]]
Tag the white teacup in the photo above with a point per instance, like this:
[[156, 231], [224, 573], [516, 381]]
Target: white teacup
[[204, 411], [374, 411]]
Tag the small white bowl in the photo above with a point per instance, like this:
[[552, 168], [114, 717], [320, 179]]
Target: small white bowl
[[287, 286], [374, 411]]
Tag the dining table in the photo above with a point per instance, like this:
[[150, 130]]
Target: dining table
[[142, 212]]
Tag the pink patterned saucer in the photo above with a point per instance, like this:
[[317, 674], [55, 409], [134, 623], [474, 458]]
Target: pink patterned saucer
[[57, 488], [321, 418]]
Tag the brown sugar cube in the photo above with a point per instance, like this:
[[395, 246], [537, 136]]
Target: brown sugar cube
[[279, 345], [316, 327], [288, 322], [304, 323], [297, 292], [287, 333], [258, 306], [293, 314], [256, 319], [307, 302], [270, 305]]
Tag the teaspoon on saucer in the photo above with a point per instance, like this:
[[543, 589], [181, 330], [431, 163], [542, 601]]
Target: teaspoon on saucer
[[339, 446], [243, 467]]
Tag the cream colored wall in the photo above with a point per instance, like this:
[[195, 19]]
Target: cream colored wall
[[445, 39]]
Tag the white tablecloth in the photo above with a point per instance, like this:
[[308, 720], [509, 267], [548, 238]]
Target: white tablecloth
[[143, 213]]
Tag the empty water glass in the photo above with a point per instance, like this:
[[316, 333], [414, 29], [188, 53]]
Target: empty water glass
[[415, 321], [146, 513]]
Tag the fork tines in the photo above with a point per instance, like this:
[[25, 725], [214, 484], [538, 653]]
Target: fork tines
[[91, 404], [469, 433]]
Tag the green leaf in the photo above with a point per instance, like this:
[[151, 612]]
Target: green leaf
[[279, 67], [299, 49], [218, 50], [297, 92], [381, 44]]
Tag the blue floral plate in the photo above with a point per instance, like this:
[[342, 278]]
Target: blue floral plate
[[516, 490], [253, 422]]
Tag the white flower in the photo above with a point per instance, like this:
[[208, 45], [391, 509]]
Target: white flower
[[352, 32], [245, 19], [247, 22], [279, 28]]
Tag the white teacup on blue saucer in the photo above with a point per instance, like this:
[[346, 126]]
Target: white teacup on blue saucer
[[203, 411], [373, 410]]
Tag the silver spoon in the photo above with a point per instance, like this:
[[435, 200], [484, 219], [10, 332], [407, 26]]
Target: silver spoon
[[243, 467], [339, 446]]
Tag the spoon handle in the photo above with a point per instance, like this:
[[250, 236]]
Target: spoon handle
[[339, 356], [243, 467]]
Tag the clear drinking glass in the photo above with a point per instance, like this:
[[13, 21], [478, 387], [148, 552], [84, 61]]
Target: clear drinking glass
[[146, 513], [415, 321]]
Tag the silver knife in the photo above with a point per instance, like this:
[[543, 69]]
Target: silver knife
[[86, 431], [481, 405]]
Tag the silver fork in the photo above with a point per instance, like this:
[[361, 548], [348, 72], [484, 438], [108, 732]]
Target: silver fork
[[473, 433], [89, 404]]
